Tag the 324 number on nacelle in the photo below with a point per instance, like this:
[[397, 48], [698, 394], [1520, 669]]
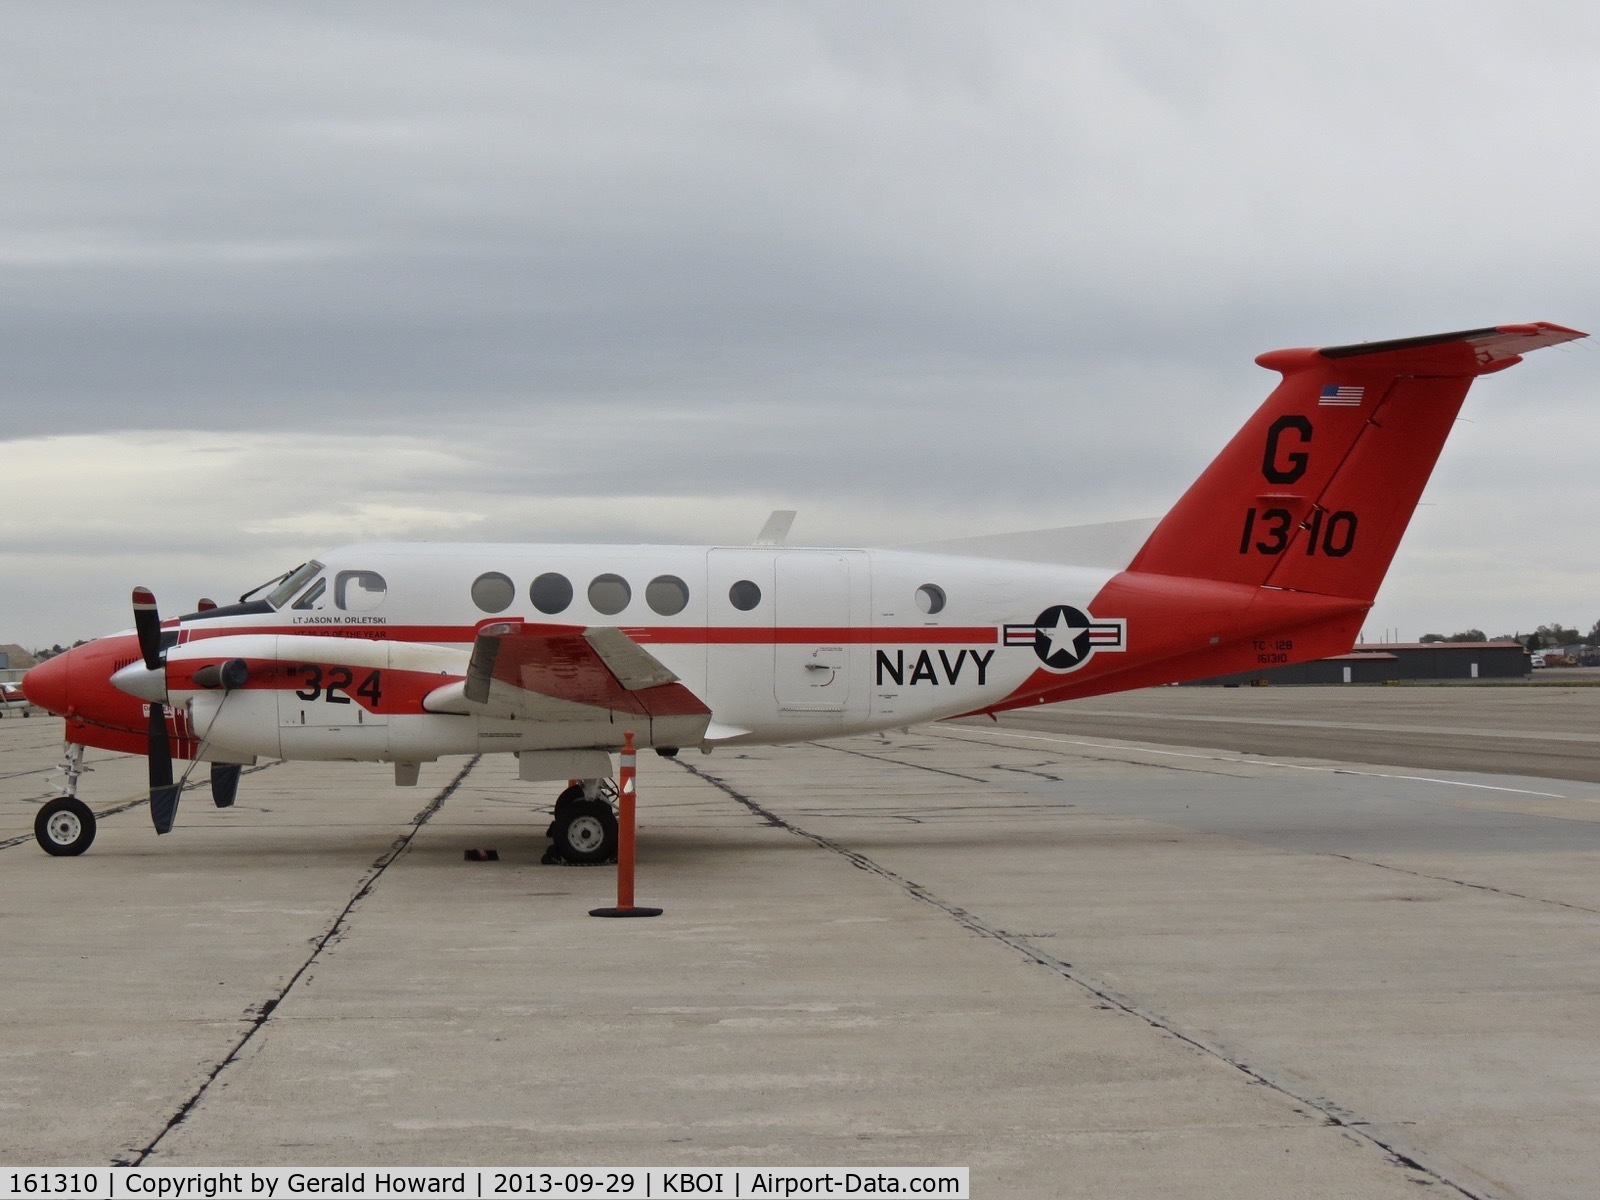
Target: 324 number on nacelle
[[333, 684]]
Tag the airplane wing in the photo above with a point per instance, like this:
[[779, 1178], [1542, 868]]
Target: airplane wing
[[540, 673]]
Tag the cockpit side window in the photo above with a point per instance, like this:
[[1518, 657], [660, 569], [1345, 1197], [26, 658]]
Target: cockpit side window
[[359, 591], [292, 583], [312, 594]]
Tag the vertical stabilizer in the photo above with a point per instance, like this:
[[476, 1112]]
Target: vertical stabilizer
[[1314, 493]]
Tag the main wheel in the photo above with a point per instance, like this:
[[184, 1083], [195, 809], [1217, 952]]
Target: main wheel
[[64, 826], [563, 803], [585, 832]]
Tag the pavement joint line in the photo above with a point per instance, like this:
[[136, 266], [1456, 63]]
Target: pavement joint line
[[897, 762], [1467, 883], [49, 769], [1267, 762], [263, 1013], [1332, 1114], [113, 810]]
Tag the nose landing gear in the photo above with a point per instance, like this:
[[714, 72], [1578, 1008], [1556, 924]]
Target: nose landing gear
[[65, 826]]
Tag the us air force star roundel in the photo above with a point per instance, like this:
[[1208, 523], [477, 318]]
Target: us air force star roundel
[[1064, 637]]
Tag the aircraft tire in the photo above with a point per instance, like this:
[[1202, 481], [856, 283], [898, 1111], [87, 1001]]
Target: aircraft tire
[[65, 826], [563, 802], [585, 832]]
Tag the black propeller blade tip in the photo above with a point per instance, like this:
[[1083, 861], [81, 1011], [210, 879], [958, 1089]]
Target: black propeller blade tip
[[224, 783], [164, 807]]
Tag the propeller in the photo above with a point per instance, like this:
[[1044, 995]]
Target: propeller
[[163, 792], [229, 675]]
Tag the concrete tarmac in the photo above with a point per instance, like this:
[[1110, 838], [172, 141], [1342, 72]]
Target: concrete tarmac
[[1540, 728], [1082, 967]]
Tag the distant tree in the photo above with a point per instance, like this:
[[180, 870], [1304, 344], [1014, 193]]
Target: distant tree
[[1431, 637], [1557, 634], [1533, 641], [1594, 634], [1467, 635]]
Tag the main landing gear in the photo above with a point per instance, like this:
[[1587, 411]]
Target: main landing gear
[[65, 826], [584, 829]]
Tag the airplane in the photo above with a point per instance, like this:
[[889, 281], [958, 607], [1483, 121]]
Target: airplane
[[407, 653], [11, 697]]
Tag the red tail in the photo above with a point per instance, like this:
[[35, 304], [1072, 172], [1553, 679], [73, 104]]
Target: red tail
[[1314, 493]]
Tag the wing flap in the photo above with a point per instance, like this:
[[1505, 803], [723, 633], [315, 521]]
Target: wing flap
[[554, 673], [634, 667]]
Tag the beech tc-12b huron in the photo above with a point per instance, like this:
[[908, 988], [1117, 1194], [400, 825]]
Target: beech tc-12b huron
[[408, 653]]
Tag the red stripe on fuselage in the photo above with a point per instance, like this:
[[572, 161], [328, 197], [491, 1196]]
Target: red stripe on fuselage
[[690, 635]]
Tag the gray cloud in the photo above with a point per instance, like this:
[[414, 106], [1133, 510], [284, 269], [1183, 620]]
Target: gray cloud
[[947, 265]]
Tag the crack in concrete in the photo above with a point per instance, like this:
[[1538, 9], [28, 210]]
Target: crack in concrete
[[1467, 883], [1078, 755], [1331, 1113], [259, 1014]]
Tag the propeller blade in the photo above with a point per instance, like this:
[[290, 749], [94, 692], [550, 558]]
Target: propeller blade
[[164, 807], [163, 793], [225, 783], [147, 624]]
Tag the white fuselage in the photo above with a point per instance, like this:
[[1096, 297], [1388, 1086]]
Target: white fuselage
[[781, 644]]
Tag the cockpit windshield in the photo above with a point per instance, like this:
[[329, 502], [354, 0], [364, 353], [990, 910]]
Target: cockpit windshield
[[293, 582]]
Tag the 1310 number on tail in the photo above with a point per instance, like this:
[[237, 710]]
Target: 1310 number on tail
[[1267, 531]]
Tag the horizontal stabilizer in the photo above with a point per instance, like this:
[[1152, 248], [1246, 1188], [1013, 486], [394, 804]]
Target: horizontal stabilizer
[[1496, 344]]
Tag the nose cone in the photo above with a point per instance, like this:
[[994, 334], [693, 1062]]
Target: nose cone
[[47, 684], [139, 680]]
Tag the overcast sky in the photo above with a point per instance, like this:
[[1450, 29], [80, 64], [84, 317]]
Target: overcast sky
[[278, 276]]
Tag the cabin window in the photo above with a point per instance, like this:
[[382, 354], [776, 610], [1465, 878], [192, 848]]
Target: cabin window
[[551, 592], [493, 592], [359, 591], [744, 595], [609, 594], [930, 598], [667, 595], [313, 594]]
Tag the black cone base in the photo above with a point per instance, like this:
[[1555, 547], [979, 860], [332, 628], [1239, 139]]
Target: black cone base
[[636, 911]]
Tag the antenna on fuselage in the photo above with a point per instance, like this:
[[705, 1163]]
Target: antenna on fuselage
[[776, 531]]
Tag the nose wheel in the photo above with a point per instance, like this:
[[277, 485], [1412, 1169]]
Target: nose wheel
[[64, 826]]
